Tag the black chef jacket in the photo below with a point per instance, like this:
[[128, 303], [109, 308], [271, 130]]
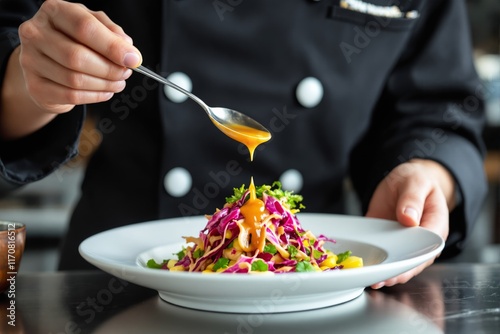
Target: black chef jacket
[[393, 89]]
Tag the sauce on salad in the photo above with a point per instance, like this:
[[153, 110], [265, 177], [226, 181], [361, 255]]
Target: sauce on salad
[[250, 137], [254, 232]]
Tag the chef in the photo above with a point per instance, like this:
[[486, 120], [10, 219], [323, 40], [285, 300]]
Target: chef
[[381, 93]]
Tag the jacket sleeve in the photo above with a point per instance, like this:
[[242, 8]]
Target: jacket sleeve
[[431, 108], [33, 157]]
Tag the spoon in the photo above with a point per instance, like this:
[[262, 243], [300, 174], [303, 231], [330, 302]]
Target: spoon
[[232, 123]]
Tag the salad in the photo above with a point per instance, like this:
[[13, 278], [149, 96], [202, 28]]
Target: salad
[[257, 231]]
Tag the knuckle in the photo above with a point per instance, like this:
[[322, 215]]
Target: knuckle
[[76, 80], [47, 13], [72, 96], [86, 27], [82, 6], [49, 6], [77, 58], [115, 48], [101, 15], [27, 31], [114, 73]]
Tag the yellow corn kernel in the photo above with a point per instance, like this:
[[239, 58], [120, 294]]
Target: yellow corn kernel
[[237, 246], [207, 271], [333, 255], [329, 262], [352, 262], [229, 234], [306, 243], [210, 267], [177, 268], [171, 263]]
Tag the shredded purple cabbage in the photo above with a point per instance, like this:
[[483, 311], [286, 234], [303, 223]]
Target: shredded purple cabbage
[[217, 248]]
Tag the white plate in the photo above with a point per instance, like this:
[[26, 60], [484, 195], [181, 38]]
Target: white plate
[[387, 248]]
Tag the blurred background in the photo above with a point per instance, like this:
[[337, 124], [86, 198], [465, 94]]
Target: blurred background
[[46, 206]]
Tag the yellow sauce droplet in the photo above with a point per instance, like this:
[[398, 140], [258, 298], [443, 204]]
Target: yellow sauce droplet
[[252, 232], [248, 136]]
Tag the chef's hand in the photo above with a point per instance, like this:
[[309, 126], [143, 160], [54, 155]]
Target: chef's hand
[[415, 193], [69, 55]]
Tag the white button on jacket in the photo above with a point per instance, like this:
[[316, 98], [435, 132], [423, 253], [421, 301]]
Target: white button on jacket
[[180, 79], [177, 182], [309, 92]]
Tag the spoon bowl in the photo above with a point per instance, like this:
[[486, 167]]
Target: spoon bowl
[[232, 123], [223, 115]]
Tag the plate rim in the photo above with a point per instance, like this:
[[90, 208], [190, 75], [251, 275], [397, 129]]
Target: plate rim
[[150, 278]]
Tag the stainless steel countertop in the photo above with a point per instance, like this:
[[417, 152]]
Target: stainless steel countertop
[[445, 298]]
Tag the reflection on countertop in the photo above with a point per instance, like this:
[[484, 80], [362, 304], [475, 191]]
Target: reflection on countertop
[[369, 313]]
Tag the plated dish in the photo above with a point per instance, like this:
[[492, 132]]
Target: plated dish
[[387, 249], [257, 231]]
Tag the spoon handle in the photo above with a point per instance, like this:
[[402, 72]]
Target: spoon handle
[[147, 72]]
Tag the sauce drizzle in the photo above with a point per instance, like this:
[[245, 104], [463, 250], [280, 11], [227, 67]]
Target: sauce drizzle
[[252, 232], [248, 136]]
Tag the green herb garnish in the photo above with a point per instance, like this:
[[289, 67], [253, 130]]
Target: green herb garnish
[[154, 265], [293, 251], [198, 253], [270, 248], [221, 263], [343, 256], [288, 198], [317, 254], [180, 255], [304, 266], [259, 265]]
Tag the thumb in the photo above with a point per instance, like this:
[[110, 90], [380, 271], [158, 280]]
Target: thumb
[[410, 206], [408, 215]]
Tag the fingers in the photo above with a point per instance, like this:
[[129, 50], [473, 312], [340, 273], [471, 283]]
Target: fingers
[[77, 57], [422, 202], [71, 55], [403, 278], [401, 196], [71, 88], [60, 99], [82, 26], [104, 19], [414, 194]]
